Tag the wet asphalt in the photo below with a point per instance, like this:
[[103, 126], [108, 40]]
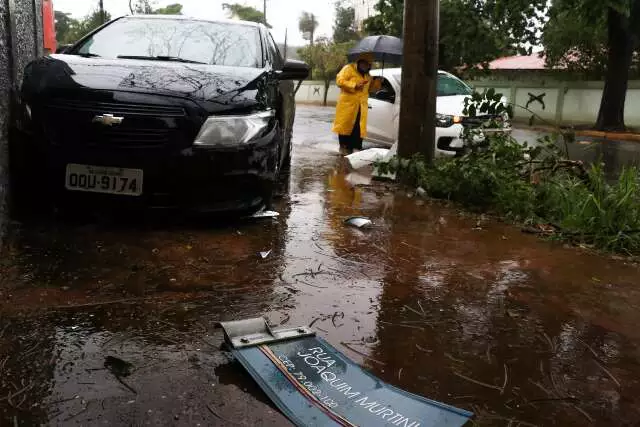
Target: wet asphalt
[[454, 306]]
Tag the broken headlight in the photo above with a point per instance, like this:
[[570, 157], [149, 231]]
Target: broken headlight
[[225, 131]]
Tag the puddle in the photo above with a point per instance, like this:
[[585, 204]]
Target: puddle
[[486, 318]]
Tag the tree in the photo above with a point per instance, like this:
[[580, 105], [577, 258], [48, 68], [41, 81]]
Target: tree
[[91, 22], [145, 7], [572, 43], [326, 59], [468, 38], [611, 35], [66, 28], [140, 6], [308, 25], [471, 32], [244, 13], [388, 20], [344, 29], [172, 9]]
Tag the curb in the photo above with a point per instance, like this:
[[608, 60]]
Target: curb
[[616, 136]]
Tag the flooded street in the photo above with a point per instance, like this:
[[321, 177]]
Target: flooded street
[[453, 306]]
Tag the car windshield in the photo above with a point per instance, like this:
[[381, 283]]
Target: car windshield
[[448, 85], [216, 43], [451, 86]]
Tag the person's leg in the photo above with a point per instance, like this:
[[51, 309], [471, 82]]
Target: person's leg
[[355, 142], [344, 144]]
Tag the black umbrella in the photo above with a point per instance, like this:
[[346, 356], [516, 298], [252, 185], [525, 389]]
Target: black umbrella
[[383, 48]]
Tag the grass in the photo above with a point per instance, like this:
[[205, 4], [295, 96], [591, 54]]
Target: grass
[[536, 185]]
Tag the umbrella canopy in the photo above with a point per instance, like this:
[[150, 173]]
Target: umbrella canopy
[[383, 49]]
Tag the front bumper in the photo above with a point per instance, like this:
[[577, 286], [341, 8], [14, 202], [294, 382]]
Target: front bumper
[[203, 179], [449, 140]]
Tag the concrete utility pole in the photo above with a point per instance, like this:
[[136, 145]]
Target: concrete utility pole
[[265, 12], [419, 79], [103, 17]]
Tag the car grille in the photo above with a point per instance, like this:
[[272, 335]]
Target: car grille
[[70, 123], [118, 109]]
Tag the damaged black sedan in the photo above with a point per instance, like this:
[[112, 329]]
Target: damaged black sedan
[[162, 111]]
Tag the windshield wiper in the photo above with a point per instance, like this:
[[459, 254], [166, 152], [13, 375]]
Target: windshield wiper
[[160, 58], [86, 55]]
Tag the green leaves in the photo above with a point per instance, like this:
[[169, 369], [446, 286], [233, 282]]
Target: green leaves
[[344, 28], [245, 13], [472, 32], [325, 57]]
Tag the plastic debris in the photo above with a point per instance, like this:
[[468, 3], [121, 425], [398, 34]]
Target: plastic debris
[[421, 192], [265, 254], [359, 222], [365, 158]]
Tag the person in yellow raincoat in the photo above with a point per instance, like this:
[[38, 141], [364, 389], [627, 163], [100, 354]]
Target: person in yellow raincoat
[[355, 84]]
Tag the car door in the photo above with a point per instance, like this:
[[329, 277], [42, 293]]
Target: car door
[[381, 126]]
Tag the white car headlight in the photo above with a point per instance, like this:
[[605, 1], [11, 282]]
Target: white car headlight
[[226, 131]]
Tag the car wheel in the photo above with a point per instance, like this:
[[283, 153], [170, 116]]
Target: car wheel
[[286, 164]]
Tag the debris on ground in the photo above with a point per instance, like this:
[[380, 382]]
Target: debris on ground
[[265, 214], [359, 222], [366, 158], [117, 366], [265, 254], [296, 371]]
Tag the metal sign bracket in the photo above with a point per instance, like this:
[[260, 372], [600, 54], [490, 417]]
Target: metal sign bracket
[[253, 332]]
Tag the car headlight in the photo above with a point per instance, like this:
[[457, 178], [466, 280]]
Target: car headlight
[[229, 131], [445, 121]]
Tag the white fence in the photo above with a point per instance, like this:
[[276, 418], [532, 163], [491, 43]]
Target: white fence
[[565, 102]]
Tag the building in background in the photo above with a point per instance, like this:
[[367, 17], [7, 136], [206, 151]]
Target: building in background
[[364, 9]]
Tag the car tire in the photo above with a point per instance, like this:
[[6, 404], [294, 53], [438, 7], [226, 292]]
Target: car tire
[[286, 164]]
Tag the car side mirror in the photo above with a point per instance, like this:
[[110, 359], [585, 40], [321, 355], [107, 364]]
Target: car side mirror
[[385, 95], [294, 70]]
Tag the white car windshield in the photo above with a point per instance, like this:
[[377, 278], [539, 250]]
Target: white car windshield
[[215, 43], [449, 85]]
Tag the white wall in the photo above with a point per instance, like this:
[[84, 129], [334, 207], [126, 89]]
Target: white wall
[[566, 102]]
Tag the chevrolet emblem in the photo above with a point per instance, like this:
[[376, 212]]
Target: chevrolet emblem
[[108, 119]]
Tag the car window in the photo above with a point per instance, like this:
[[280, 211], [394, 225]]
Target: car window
[[214, 43], [274, 52], [447, 85], [450, 86], [386, 93]]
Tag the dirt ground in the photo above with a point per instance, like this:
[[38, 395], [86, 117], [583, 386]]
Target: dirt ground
[[456, 307]]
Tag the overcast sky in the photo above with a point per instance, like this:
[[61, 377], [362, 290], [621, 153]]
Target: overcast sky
[[281, 14]]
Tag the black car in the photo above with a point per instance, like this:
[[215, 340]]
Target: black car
[[164, 111]]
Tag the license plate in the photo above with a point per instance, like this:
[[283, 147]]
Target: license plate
[[101, 179]]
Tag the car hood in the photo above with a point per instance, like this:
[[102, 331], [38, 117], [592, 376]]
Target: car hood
[[199, 82], [451, 105]]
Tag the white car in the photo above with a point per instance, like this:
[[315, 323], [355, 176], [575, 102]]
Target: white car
[[384, 112]]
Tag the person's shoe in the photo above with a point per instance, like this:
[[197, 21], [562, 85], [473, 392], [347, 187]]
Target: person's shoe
[[344, 151]]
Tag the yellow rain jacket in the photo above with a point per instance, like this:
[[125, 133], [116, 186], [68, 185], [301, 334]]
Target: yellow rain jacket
[[351, 100]]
